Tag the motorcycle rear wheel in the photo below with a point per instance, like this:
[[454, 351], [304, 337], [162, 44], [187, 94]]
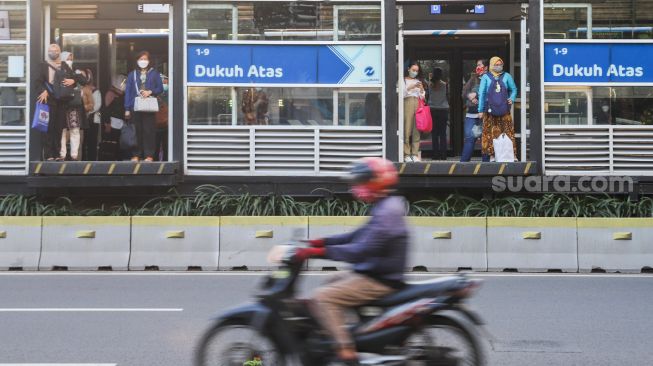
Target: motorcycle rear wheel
[[447, 342], [236, 345]]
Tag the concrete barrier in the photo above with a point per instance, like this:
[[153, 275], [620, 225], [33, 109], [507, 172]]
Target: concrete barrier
[[246, 241], [85, 243], [175, 243], [447, 243], [532, 244], [323, 226], [20, 243], [615, 245]]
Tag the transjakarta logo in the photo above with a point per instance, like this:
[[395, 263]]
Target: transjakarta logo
[[254, 71], [597, 71], [369, 71]]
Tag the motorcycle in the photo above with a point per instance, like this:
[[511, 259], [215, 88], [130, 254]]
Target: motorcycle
[[424, 323]]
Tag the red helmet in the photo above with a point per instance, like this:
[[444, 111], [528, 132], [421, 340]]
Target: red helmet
[[372, 178]]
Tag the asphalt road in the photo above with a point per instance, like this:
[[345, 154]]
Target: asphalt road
[[144, 319]]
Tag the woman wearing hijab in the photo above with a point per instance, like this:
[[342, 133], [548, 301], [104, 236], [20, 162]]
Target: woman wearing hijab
[[92, 99], [472, 119], [146, 82], [48, 73], [496, 95]]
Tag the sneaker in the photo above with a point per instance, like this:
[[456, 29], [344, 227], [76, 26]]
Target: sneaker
[[416, 159], [149, 159], [135, 159], [408, 159]]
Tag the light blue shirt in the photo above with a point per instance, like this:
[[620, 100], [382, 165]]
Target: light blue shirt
[[486, 81]]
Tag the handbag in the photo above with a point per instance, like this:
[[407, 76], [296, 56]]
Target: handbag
[[77, 100], [57, 90], [423, 118], [41, 119], [161, 117], [128, 136], [142, 104], [503, 149]]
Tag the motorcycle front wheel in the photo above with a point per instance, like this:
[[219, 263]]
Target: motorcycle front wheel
[[236, 345], [446, 342]]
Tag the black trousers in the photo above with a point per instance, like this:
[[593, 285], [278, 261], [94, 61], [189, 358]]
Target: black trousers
[[439, 134], [90, 144], [145, 124]]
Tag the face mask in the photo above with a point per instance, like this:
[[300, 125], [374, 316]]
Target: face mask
[[498, 68], [165, 87], [605, 108], [54, 55], [412, 74], [70, 64], [480, 70], [143, 63]]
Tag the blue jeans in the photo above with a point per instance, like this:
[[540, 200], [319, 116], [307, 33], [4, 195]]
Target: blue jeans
[[470, 140]]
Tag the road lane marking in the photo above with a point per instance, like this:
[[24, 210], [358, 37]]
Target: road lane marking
[[88, 310]]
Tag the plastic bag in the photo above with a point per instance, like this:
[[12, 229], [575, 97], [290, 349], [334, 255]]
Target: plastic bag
[[128, 139], [41, 117], [423, 118], [503, 149]]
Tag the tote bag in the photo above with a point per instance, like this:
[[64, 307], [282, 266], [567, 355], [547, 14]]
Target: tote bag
[[41, 117], [423, 118], [503, 149]]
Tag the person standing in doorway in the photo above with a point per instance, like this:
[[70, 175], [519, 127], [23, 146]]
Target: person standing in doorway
[[144, 81], [92, 103], [413, 91], [52, 71], [473, 123], [496, 95], [113, 114], [75, 115], [439, 104]]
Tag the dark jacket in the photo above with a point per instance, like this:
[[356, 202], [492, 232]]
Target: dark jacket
[[379, 248], [44, 75], [153, 83]]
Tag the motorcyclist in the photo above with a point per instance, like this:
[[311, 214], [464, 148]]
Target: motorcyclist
[[377, 251]]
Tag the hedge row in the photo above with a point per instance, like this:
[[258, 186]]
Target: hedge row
[[211, 200]]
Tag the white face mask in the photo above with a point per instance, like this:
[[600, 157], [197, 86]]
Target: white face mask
[[412, 74], [143, 63], [70, 64], [605, 108]]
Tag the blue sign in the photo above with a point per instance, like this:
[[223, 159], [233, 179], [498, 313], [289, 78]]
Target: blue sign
[[284, 64], [436, 9], [479, 9], [589, 63]]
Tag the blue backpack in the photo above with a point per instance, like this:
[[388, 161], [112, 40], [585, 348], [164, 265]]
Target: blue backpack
[[497, 97]]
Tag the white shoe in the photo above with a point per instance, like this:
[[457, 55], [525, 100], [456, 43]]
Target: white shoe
[[408, 159], [416, 159]]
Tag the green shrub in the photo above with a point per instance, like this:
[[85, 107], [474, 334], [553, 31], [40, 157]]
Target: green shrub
[[209, 200]]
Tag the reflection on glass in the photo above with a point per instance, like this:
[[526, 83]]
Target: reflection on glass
[[623, 105], [12, 106], [565, 108], [13, 20], [209, 106], [359, 24], [12, 63], [282, 20], [282, 106], [359, 109], [210, 21], [565, 23]]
